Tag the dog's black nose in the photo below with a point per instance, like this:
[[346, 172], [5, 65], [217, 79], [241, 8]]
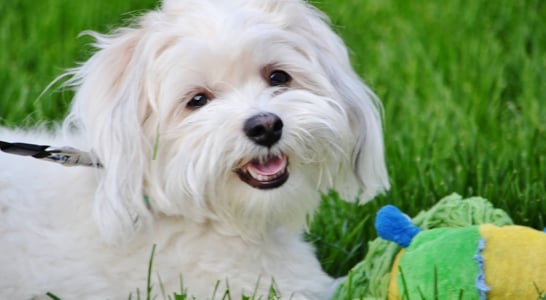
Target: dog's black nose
[[264, 129]]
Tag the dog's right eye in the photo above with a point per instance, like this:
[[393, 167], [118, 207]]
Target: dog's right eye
[[198, 100], [279, 78]]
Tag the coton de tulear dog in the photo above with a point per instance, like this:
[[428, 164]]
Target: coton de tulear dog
[[217, 123]]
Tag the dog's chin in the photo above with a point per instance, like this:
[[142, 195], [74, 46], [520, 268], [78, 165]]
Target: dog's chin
[[265, 172]]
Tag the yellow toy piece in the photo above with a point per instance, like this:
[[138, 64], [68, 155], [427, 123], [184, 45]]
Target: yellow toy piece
[[515, 262]]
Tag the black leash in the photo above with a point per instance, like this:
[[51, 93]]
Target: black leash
[[66, 156]]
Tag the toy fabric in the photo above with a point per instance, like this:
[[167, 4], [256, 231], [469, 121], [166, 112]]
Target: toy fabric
[[476, 262], [449, 255]]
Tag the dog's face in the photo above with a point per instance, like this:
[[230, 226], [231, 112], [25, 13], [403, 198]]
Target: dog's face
[[235, 112]]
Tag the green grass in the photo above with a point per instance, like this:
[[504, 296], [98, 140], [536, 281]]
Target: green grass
[[463, 84], [464, 89]]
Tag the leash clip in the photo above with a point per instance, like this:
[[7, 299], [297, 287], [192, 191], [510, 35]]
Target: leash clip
[[68, 156]]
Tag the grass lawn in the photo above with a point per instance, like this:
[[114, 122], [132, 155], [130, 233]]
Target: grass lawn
[[463, 84]]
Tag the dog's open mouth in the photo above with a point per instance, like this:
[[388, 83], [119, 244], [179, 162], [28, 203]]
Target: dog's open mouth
[[265, 173]]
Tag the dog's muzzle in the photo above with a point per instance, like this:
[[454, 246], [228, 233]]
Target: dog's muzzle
[[264, 129]]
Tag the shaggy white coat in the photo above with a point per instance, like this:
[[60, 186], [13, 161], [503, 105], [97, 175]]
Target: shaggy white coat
[[87, 233]]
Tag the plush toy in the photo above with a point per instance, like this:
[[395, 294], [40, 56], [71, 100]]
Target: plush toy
[[462, 249]]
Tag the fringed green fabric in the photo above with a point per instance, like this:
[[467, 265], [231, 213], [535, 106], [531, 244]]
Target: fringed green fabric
[[369, 279]]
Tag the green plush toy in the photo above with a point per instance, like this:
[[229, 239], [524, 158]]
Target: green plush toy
[[462, 249]]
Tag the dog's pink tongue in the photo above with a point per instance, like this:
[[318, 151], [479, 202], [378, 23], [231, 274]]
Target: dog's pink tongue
[[271, 167]]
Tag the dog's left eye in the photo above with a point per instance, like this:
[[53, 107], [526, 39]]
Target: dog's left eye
[[198, 100], [279, 78]]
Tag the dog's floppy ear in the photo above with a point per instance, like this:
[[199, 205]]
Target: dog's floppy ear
[[109, 108], [366, 169]]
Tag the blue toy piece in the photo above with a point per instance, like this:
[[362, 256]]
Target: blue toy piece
[[393, 225]]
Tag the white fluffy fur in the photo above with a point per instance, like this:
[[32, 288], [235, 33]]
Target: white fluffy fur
[[85, 233]]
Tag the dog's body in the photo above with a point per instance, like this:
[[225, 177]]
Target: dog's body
[[217, 123], [50, 242]]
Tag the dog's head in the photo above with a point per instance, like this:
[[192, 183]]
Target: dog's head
[[231, 112]]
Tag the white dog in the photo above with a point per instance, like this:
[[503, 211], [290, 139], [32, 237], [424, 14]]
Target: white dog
[[217, 124]]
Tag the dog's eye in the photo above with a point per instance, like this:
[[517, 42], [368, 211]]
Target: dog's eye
[[198, 100], [279, 78]]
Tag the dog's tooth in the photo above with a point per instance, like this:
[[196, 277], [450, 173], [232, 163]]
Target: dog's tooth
[[254, 174], [251, 172]]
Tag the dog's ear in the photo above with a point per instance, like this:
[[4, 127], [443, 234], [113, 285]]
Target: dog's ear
[[109, 110], [365, 174]]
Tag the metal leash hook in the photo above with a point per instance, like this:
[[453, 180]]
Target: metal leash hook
[[67, 156]]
